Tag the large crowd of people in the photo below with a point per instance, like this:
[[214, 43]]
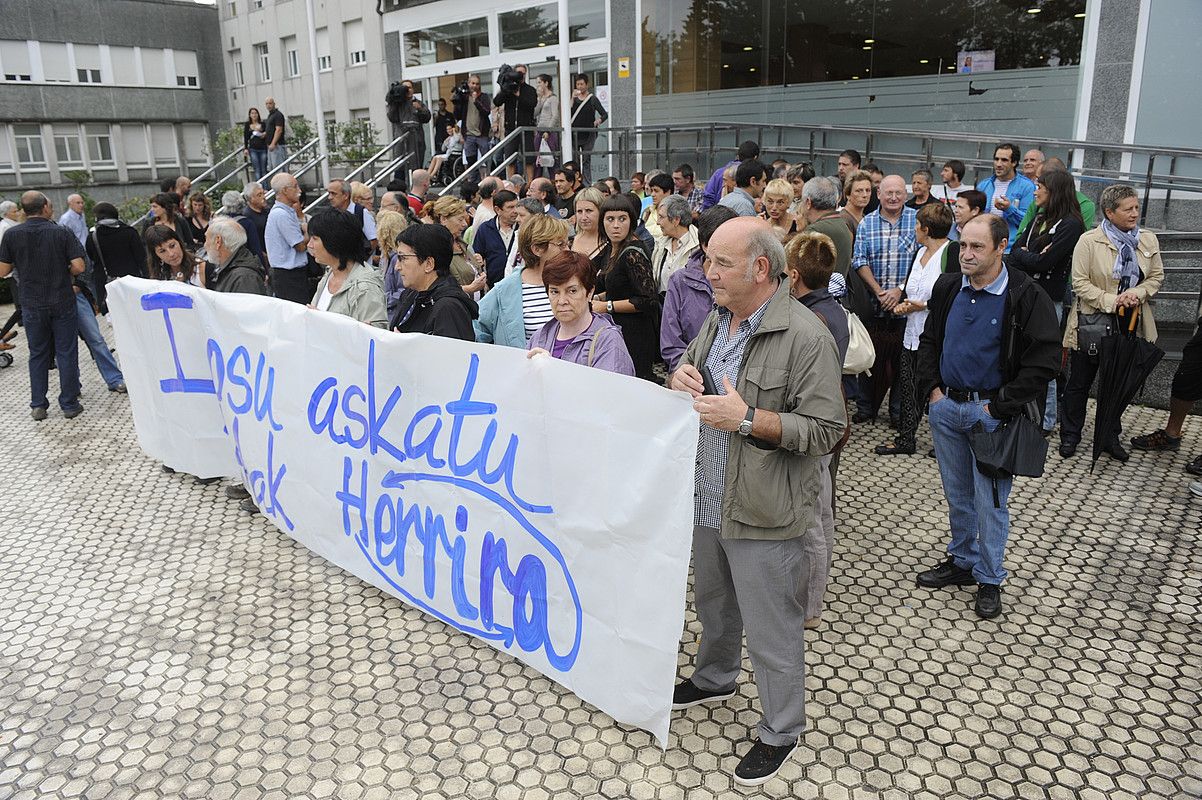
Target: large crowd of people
[[751, 289]]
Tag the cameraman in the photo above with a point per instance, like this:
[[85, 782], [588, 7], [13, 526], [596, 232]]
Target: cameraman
[[519, 99], [473, 109], [406, 112]]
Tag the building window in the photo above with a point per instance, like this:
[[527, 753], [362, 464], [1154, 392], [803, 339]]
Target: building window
[[527, 28], [466, 39], [100, 143], [262, 64], [30, 152], [186, 68], [133, 142], [87, 63], [697, 45], [162, 144], [66, 146], [231, 8], [586, 20], [291, 57], [356, 45], [55, 66], [14, 60], [236, 60], [88, 75], [154, 67], [324, 62], [254, 4], [125, 65], [194, 142], [6, 158]]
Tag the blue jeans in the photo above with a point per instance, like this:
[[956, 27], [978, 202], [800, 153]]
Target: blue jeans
[[52, 331], [277, 156], [474, 147], [1049, 412], [258, 160], [979, 531], [89, 331]]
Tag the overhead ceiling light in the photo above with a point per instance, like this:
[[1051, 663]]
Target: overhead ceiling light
[[1034, 10], [866, 47], [1079, 16], [751, 70], [951, 66], [726, 66], [542, 44], [855, 77], [924, 61], [870, 41], [748, 49]]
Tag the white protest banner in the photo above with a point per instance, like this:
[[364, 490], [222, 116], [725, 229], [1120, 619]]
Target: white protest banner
[[543, 507]]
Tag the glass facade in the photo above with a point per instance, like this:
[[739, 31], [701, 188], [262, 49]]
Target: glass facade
[[537, 26], [706, 45], [466, 39]]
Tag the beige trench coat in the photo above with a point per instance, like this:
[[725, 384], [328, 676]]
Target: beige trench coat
[[1096, 288]]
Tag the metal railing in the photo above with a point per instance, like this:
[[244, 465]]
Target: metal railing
[[266, 179], [359, 169], [482, 161], [304, 170], [667, 145], [217, 166]]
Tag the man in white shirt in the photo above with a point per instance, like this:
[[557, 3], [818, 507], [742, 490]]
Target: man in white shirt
[[340, 198], [952, 175]]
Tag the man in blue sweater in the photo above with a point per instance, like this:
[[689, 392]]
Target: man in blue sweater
[[1007, 193]]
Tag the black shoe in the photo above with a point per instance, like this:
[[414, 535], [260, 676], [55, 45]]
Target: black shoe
[[1116, 451], [1068, 449], [38, 414], [248, 505], [946, 574], [168, 470], [1157, 441], [931, 453], [989, 601], [687, 695], [72, 412], [895, 450], [761, 763], [207, 481], [236, 492], [862, 416], [1194, 467]]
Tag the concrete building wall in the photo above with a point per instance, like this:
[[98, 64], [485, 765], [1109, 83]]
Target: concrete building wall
[[348, 92], [159, 24]]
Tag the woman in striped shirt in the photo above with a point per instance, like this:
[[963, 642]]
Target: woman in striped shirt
[[518, 305]]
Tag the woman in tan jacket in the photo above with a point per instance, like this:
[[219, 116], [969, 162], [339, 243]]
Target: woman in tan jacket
[[1116, 266]]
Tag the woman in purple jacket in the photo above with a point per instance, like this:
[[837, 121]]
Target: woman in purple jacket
[[577, 333], [689, 298]]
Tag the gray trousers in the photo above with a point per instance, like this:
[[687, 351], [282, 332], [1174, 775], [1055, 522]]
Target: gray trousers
[[819, 545], [753, 584]]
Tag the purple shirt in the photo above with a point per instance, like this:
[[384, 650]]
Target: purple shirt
[[713, 187], [609, 353], [689, 300]]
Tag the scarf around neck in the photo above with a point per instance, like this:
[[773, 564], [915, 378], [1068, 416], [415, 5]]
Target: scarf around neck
[[1126, 268]]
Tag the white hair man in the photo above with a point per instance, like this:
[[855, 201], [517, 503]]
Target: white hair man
[[286, 240], [238, 269], [759, 453]]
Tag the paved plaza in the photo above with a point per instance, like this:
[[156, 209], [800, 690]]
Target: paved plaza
[[156, 642]]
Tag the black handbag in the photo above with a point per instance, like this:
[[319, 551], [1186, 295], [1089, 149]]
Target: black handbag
[[1016, 447], [1091, 328]]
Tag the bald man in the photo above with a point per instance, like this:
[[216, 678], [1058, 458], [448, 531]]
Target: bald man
[[884, 249], [1032, 161], [277, 144]]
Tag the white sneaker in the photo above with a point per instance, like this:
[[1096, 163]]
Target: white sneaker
[[1195, 488]]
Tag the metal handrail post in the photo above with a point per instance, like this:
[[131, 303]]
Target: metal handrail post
[[391, 166], [1143, 206], [270, 173], [499, 146], [215, 167], [308, 166], [354, 173]]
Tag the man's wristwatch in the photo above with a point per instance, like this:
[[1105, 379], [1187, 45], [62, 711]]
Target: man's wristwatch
[[745, 425], [609, 306]]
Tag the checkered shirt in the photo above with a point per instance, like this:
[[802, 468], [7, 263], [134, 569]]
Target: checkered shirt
[[695, 199], [724, 359], [886, 247]]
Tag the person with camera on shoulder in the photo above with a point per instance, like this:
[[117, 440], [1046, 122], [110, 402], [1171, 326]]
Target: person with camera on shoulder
[[518, 100], [407, 113]]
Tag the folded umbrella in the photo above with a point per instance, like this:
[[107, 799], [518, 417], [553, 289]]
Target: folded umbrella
[[1124, 362], [1016, 447]]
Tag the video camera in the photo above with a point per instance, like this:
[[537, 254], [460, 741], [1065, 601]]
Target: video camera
[[398, 93], [509, 79], [461, 92]]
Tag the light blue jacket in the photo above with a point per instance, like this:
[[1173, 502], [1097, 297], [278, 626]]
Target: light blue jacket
[[501, 319], [1021, 192]]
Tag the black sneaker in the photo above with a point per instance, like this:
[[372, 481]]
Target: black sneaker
[[1157, 440], [687, 695], [72, 412], [1194, 467], [248, 505], [38, 414], [236, 492], [946, 574], [1117, 452], [761, 763], [861, 417], [989, 601]]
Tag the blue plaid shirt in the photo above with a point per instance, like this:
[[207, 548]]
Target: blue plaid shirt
[[886, 247], [724, 359]]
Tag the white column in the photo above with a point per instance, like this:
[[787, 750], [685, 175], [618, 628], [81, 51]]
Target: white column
[[565, 82], [319, 116]]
